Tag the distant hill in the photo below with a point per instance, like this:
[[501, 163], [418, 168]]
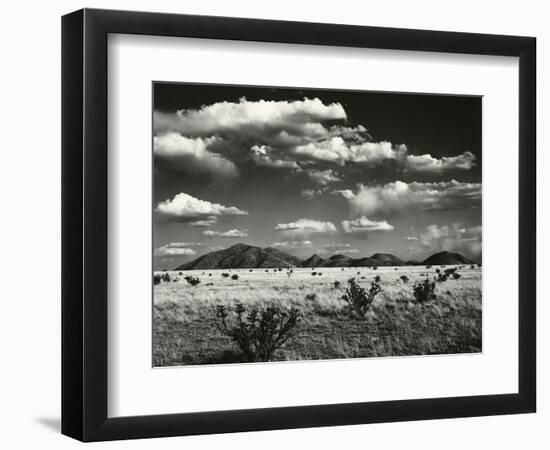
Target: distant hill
[[379, 259], [313, 261], [447, 258], [243, 256]]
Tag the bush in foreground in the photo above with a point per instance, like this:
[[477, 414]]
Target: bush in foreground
[[424, 291], [258, 332], [359, 299]]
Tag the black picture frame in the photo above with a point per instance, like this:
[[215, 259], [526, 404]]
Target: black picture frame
[[84, 224]]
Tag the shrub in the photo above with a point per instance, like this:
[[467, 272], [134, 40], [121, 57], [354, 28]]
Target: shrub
[[180, 273], [250, 270], [193, 281], [450, 271], [377, 279], [473, 266], [165, 277], [428, 267], [157, 279], [424, 291], [209, 274], [456, 275], [313, 273], [319, 274], [311, 297], [442, 277], [404, 278], [234, 276], [225, 275], [359, 299], [374, 267], [336, 284], [258, 333]]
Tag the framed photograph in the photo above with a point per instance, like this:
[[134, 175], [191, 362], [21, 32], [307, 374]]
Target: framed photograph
[[273, 225]]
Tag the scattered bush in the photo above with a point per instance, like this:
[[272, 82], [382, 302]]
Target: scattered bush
[[165, 277], [456, 275], [250, 270], [234, 276], [193, 281], [311, 297], [336, 284], [377, 279], [180, 273], [359, 299], [404, 278], [225, 275], [473, 266], [428, 267], [209, 274], [258, 333], [374, 267], [424, 291], [441, 277], [313, 273], [157, 279]]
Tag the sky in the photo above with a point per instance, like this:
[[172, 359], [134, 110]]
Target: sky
[[314, 171]]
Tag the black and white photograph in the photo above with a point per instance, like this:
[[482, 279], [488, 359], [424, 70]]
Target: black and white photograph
[[301, 224]]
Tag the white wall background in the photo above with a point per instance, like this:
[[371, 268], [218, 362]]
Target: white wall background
[[30, 224]]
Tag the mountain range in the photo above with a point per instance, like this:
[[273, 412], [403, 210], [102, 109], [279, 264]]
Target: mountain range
[[243, 256]]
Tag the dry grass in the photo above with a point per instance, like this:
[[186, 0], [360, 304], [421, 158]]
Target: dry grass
[[184, 328]]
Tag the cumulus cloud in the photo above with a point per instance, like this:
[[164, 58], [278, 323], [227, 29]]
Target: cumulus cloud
[[262, 157], [293, 244], [186, 208], [280, 135], [305, 227], [227, 234], [323, 177], [362, 225], [398, 195], [338, 150], [176, 249], [427, 163], [311, 193], [192, 154], [252, 118], [454, 238], [203, 223]]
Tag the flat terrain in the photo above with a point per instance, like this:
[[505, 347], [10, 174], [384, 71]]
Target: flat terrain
[[185, 332]]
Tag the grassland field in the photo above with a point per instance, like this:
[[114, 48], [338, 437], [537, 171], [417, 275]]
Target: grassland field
[[184, 319]]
